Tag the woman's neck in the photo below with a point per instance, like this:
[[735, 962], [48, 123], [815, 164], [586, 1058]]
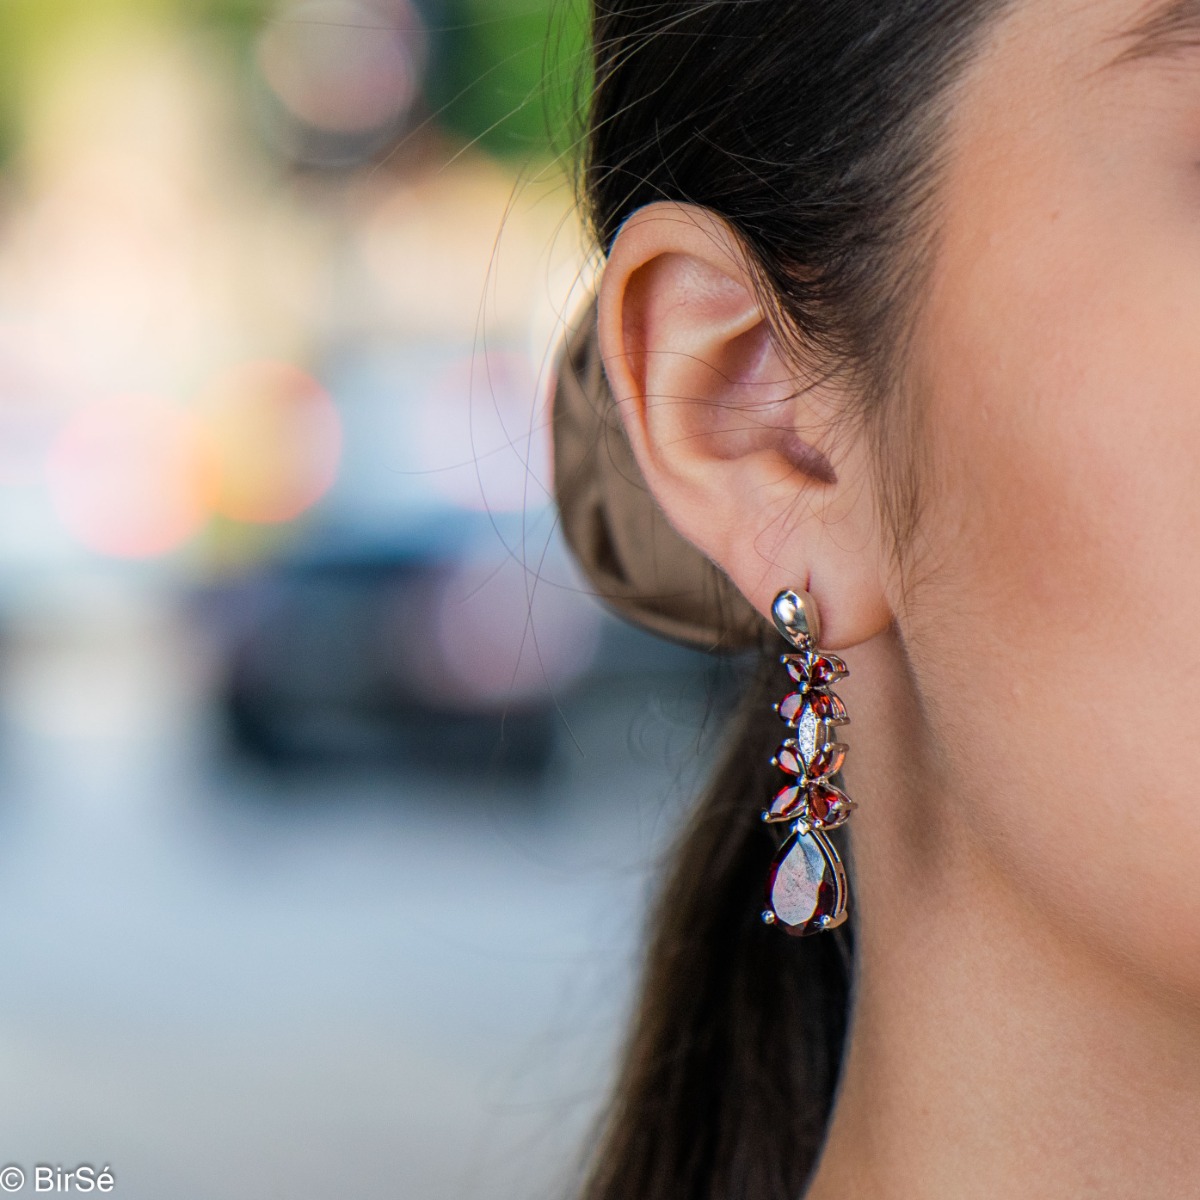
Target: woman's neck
[[988, 1056]]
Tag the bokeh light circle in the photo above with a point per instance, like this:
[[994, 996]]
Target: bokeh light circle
[[278, 438], [132, 476], [344, 66]]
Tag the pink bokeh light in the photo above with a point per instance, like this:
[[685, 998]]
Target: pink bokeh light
[[278, 438], [132, 476]]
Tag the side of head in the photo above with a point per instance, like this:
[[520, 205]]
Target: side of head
[[760, 176], [899, 308], [979, 295]]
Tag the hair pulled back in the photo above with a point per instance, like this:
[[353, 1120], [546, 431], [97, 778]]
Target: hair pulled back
[[814, 128]]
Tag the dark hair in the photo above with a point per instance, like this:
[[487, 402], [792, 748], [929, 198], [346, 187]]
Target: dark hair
[[814, 128]]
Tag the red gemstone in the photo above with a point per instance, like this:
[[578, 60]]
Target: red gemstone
[[789, 707], [829, 708], [828, 806], [798, 668], [787, 803], [788, 758], [828, 759], [826, 669]]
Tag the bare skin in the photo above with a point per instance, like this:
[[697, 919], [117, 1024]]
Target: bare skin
[[1026, 716]]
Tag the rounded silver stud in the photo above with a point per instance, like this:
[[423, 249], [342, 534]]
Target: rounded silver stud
[[795, 616]]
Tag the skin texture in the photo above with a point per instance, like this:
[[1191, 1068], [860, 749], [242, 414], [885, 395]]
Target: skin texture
[[1024, 740]]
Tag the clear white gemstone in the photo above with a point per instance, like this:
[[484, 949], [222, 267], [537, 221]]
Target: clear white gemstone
[[806, 734], [794, 896]]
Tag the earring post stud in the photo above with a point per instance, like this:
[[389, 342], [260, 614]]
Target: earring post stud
[[796, 619]]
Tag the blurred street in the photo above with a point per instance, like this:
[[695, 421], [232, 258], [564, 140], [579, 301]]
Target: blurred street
[[222, 983], [328, 797]]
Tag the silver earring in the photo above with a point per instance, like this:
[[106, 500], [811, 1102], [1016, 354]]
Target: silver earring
[[806, 889]]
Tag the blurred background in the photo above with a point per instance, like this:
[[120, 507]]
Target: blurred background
[[328, 799]]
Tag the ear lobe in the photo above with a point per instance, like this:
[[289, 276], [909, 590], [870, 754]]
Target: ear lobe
[[731, 444]]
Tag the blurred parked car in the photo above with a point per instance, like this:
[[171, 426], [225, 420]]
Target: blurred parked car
[[426, 610]]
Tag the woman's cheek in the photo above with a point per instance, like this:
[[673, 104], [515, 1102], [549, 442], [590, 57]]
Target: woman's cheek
[[1059, 625]]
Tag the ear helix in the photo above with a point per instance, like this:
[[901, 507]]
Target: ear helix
[[806, 888]]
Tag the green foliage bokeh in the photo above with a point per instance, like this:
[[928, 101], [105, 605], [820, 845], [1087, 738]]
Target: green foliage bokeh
[[510, 75], [505, 74]]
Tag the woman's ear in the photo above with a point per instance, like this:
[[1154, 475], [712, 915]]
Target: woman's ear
[[749, 462]]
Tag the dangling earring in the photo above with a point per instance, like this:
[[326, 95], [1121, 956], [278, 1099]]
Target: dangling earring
[[807, 885]]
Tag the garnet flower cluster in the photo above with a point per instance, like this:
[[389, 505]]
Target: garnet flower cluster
[[811, 756]]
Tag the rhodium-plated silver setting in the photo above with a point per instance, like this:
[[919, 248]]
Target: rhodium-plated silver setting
[[806, 889]]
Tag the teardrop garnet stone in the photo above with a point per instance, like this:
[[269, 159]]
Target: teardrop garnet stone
[[828, 760], [828, 806], [788, 803], [829, 708], [798, 668], [825, 669], [788, 758], [806, 889], [790, 706]]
